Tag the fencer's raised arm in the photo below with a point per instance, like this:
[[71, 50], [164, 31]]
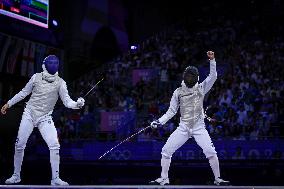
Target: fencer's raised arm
[[23, 93], [174, 105], [211, 78], [64, 95]]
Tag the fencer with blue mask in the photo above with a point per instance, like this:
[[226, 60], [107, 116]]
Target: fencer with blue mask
[[45, 88], [51, 64]]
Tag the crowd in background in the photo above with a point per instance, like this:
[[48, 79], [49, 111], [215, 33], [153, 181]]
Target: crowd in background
[[246, 102]]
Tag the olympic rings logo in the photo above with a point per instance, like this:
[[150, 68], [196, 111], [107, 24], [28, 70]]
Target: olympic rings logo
[[119, 155]]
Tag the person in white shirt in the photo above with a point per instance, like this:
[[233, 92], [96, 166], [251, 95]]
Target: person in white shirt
[[189, 99], [45, 88]]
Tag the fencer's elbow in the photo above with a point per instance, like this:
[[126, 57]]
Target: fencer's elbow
[[214, 76], [67, 104], [172, 113]]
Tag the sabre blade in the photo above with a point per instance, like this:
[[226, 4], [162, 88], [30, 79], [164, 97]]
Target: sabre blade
[[124, 141], [93, 87]]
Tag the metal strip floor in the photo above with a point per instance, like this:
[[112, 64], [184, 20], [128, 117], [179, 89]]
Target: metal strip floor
[[143, 186]]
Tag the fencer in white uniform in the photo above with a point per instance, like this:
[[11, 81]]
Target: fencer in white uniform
[[189, 98], [45, 87]]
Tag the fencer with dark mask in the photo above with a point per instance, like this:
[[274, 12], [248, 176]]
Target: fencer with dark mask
[[189, 99]]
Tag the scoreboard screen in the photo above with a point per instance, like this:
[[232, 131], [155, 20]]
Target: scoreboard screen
[[31, 11]]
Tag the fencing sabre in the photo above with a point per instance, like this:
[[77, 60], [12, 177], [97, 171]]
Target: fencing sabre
[[125, 141], [92, 88]]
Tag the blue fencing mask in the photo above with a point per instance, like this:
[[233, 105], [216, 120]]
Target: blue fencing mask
[[51, 63]]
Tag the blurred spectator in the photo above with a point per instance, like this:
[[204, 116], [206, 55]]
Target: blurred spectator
[[248, 95], [239, 154]]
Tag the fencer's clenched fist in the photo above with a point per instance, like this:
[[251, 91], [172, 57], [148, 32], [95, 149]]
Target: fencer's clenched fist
[[210, 55], [4, 108], [155, 124], [80, 102]]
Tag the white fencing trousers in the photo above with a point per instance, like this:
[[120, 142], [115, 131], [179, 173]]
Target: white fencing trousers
[[49, 134], [179, 137], [214, 164]]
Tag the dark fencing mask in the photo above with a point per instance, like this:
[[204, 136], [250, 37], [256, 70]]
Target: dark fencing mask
[[190, 76]]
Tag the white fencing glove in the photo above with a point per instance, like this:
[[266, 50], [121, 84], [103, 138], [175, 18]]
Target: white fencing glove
[[155, 124], [80, 102]]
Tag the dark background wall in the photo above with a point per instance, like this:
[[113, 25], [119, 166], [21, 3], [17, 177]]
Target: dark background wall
[[91, 32]]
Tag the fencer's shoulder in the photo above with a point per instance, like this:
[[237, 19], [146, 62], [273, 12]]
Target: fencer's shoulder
[[177, 91], [61, 80], [35, 76], [200, 88]]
